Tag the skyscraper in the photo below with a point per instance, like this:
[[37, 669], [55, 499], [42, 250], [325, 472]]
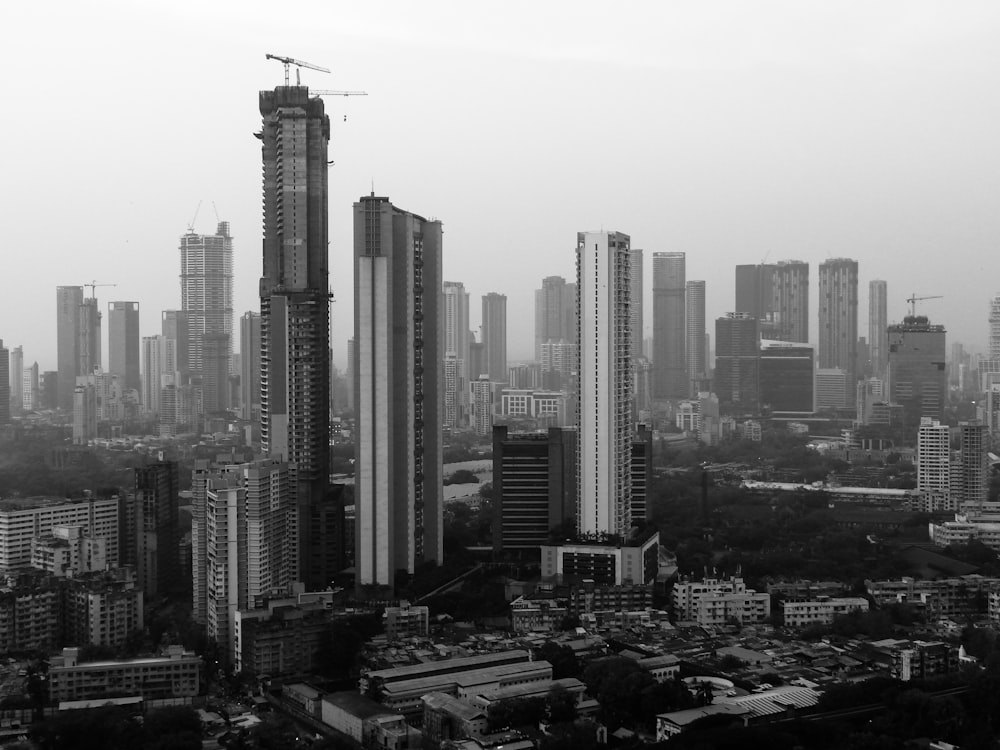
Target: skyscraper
[[250, 364], [934, 457], [174, 326], [917, 374], [975, 470], [455, 307], [29, 388], [68, 302], [790, 301], [670, 377], [838, 318], [555, 312], [4, 384], [207, 300], [755, 291], [123, 343], [494, 337], [294, 297], [89, 339], [157, 361], [737, 363], [16, 381], [398, 353], [153, 531], [878, 323], [604, 405], [635, 261], [695, 350]]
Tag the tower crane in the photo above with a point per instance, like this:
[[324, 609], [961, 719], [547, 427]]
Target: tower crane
[[93, 285], [299, 64], [327, 92], [913, 299]]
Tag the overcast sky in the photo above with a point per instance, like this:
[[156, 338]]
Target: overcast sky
[[732, 131]]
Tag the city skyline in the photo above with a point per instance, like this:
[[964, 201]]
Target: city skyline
[[779, 184]]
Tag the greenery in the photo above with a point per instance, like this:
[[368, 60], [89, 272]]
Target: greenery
[[112, 727]]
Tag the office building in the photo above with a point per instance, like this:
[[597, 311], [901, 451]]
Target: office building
[[555, 312], [737, 363], [838, 318], [250, 365], [15, 378], [878, 324], [917, 371], [494, 337], [123, 343], [696, 344], [294, 299], [633, 561], [832, 388], [934, 458], [790, 301], [69, 299], [207, 297], [534, 481], [4, 384], [455, 309], [636, 292], [605, 382], [755, 293], [786, 377], [399, 342], [670, 375]]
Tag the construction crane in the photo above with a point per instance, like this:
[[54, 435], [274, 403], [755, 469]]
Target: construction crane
[[194, 218], [93, 285], [326, 92], [299, 64], [913, 299]]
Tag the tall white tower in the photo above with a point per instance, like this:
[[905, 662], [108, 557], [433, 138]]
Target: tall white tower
[[603, 271]]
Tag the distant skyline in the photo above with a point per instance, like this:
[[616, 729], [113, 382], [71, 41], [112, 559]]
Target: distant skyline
[[732, 132]]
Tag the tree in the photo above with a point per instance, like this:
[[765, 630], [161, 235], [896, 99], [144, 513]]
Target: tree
[[579, 735], [562, 658], [560, 705], [514, 713], [614, 683]]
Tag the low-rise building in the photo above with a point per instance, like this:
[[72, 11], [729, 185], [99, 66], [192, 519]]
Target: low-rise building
[[633, 561], [176, 674], [406, 620], [717, 602], [102, 609], [448, 718], [820, 611], [360, 718], [943, 598], [921, 659]]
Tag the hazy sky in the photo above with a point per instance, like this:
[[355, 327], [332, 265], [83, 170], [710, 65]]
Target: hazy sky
[[732, 131]]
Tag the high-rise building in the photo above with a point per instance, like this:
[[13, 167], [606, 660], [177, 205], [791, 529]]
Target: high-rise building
[[151, 534], [89, 346], [15, 380], [790, 301], [174, 326], [250, 365], [878, 324], [994, 320], [737, 363], [555, 312], [69, 299], [482, 405], [50, 389], [4, 384], [216, 356], [294, 297], [399, 348], [832, 387], [636, 324], [534, 478], [838, 318], [207, 291], [351, 375], [695, 350], [455, 307], [786, 377], [29, 387], [975, 471], [494, 337], [123, 343], [605, 382], [158, 359], [917, 372], [934, 457], [670, 374], [755, 292]]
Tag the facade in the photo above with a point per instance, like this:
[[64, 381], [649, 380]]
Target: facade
[[939, 599], [494, 337], [695, 349], [158, 355], [922, 659], [632, 562], [786, 377], [69, 299], [89, 340], [670, 377], [250, 366], [636, 292], [174, 675], [30, 389], [555, 312], [820, 611], [934, 458], [975, 470], [918, 378], [754, 294], [534, 479], [878, 324], [102, 609], [5, 396], [23, 519], [790, 301], [295, 300], [832, 387], [482, 405], [207, 300], [716, 601], [123, 343], [605, 391], [279, 638], [838, 318], [399, 338], [994, 321], [16, 367], [152, 528], [737, 364], [455, 311], [174, 327], [406, 620]]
